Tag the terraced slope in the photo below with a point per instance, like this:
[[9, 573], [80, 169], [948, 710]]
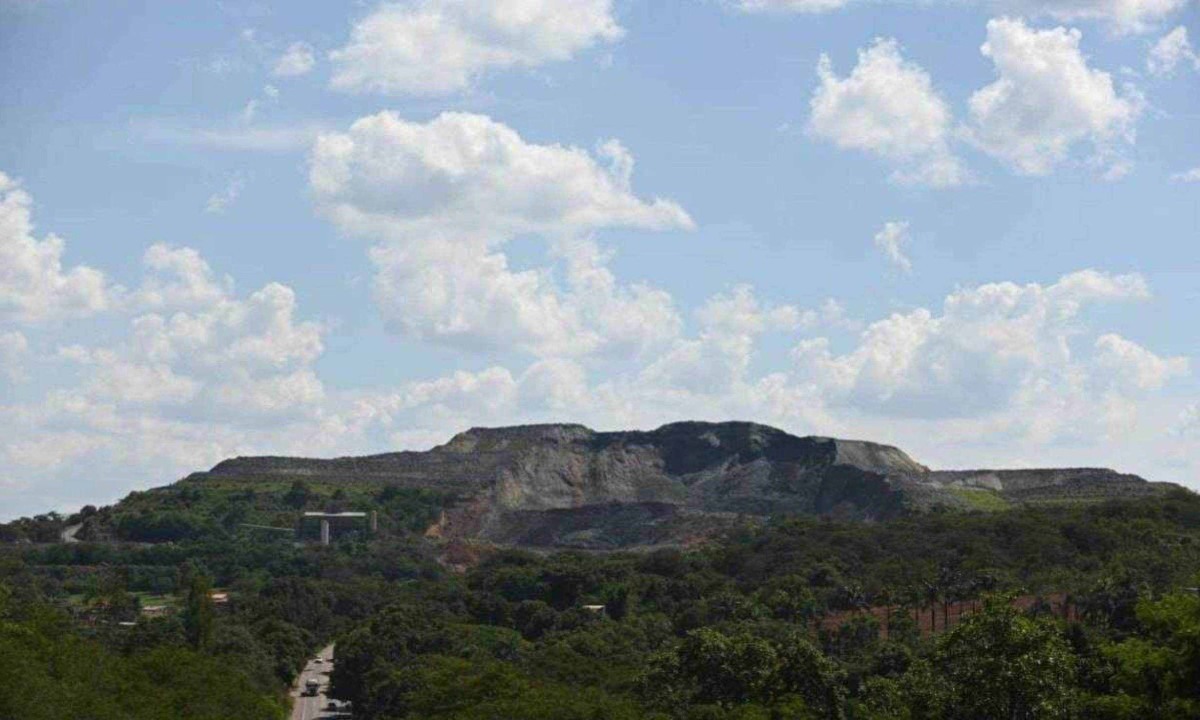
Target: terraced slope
[[567, 485]]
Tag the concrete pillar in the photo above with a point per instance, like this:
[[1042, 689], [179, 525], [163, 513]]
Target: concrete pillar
[[324, 531]]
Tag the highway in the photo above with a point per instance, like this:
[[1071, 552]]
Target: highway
[[306, 707]]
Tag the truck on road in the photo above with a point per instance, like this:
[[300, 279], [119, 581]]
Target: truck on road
[[311, 687]]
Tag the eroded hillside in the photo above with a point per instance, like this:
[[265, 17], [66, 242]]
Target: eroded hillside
[[569, 486]]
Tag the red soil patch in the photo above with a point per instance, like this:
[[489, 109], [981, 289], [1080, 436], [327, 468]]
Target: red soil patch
[[948, 615]]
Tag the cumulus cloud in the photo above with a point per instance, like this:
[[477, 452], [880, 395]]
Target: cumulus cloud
[[192, 342], [460, 293], [1128, 362], [298, 59], [890, 240], [888, 106], [34, 285], [1000, 365], [191, 371], [1187, 176], [1172, 50], [440, 197], [179, 278], [719, 357], [211, 373], [1046, 100], [988, 345], [463, 173], [433, 47], [13, 349], [1188, 422]]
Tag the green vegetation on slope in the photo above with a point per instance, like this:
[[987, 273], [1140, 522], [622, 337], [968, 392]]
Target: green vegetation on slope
[[769, 621], [979, 499], [52, 671], [742, 628]]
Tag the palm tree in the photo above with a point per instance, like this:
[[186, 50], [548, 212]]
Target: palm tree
[[947, 580], [932, 593], [885, 596]]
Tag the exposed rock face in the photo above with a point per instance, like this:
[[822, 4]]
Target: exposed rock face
[[566, 485], [1049, 483]]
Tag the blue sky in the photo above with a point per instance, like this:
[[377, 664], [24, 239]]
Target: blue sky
[[967, 228]]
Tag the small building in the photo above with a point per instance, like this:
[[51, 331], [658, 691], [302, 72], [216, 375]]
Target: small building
[[155, 611], [328, 520]]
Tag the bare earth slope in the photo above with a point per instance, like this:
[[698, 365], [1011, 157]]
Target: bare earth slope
[[569, 486]]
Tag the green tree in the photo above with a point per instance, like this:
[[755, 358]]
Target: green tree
[[1001, 664], [1158, 674], [297, 495], [726, 670], [198, 611]]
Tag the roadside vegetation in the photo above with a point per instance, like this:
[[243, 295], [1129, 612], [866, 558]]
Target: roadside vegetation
[[1075, 611]]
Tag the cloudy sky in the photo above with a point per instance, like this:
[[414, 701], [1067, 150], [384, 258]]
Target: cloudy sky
[[966, 227]]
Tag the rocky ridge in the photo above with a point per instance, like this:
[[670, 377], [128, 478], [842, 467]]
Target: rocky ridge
[[567, 485]]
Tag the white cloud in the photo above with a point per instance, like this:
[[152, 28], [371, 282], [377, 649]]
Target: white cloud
[[830, 314], [1123, 16], [468, 174], [200, 347], [118, 379], [249, 111], [193, 383], [218, 202], [1187, 176], [13, 349], [298, 59], [989, 345], [1131, 363], [34, 286], [1189, 421], [1171, 50], [242, 138], [435, 47], [179, 278], [188, 372], [439, 197], [888, 106], [554, 385], [271, 395], [1046, 100], [259, 332], [719, 357], [797, 6], [891, 239]]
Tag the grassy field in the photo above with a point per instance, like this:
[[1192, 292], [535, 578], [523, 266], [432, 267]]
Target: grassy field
[[980, 499]]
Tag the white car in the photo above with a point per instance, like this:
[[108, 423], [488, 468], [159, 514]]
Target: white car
[[319, 661]]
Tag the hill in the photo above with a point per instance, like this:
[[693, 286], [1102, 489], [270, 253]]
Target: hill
[[570, 486]]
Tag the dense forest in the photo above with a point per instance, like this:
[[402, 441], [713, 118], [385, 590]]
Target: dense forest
[[741, 629], [1071, 611]]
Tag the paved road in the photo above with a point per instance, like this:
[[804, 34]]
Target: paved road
[[68, 533], [306, 707]]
